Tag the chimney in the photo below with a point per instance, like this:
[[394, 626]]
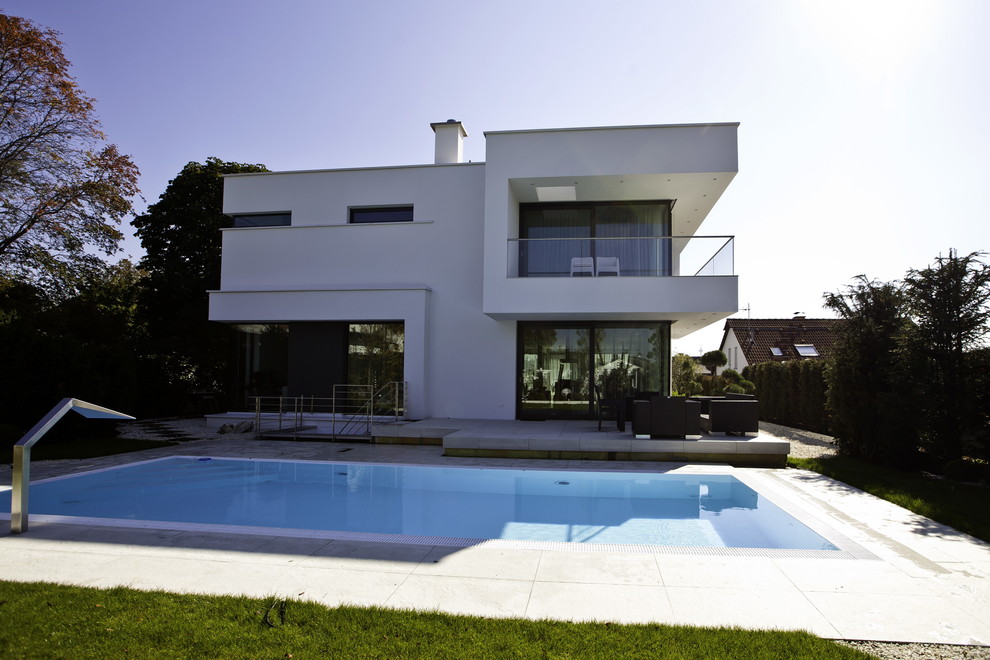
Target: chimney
[[449, 141]]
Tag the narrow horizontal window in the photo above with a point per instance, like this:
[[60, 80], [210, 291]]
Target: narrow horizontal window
[[263, 220], [806, 350], [381, 214]]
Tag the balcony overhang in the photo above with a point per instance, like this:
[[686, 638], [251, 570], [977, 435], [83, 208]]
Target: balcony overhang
[[690, 303], [694, 193]]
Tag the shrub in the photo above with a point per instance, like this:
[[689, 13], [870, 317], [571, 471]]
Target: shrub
[[790, 393], [712, 385], [872, 398], [962, 469]]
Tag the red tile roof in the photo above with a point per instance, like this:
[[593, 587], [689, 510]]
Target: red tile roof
[[758, 336]]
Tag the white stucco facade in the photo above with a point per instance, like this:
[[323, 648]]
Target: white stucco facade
[[449, 274]]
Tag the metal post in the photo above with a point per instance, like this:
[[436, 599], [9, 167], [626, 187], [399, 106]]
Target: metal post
[[333, 412], [19, 495], [21, 480]]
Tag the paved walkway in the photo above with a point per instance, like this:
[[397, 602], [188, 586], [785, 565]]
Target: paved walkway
[[905, 578]]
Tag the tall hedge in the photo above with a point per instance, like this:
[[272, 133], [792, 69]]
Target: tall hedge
[[791, 393]]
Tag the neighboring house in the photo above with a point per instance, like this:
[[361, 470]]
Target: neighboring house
[[496, 290], [753, 341]]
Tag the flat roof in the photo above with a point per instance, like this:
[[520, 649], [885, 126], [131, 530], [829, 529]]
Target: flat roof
[[609, 128]]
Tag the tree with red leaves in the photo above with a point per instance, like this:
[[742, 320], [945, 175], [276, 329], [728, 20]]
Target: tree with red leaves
[[63, 187]]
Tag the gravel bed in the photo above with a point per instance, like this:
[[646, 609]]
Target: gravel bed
[[903, 651], [804, 444]]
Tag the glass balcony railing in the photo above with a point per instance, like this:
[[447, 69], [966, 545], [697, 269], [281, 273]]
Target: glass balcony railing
[[665, 256]]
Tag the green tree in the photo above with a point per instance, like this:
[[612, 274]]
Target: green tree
[[870, 397], [683, 376], [81, 346], [978, 366], [949, 304], [712, 360], [63, 188], [181, 237]]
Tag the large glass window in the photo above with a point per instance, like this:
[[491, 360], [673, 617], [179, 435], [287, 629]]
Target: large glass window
[[554, 371], [562, 364], [308, 359], [619, 238], [261, 365], [375, 353]]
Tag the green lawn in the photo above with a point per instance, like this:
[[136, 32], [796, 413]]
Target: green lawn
[[52, 621], [959, 505], [88, 448]]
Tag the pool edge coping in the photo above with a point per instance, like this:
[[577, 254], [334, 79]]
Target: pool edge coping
[[846, 548]]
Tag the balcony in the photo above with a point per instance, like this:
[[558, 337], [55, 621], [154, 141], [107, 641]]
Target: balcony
[[687, 280], [666, 256]]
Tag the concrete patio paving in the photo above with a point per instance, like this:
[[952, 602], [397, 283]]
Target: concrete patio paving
[[902, 578]]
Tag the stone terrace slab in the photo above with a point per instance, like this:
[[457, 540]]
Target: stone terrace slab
[[577, 439]]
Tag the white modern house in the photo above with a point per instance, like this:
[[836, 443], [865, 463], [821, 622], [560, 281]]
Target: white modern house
[[503, 289]]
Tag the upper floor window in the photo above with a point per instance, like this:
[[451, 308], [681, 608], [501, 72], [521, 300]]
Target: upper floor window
[[364, 214], [263, 220], [776, 351], [806, 350], [560, 239]]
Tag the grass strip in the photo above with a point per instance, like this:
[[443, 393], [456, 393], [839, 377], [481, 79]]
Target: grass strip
[[88, 448], [959, 505], [57, 621]]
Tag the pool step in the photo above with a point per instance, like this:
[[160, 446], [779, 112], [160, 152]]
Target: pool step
[[311, 433], [285, 431], [765, 451]]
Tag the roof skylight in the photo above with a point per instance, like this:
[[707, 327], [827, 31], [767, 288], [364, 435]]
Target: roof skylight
[[556, 193]]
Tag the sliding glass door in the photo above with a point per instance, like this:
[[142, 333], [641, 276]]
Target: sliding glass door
[[619, 238], [560, 365]]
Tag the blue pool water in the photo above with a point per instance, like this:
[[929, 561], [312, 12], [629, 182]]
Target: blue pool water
[[475, 503]]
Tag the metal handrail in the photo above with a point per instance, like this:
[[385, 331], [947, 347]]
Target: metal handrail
[[397, 392], [352, 410], [359, 408]]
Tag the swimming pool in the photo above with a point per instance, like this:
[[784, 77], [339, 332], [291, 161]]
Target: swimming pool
[[417, 502]]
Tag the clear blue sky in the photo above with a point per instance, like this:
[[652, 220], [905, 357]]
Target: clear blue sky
[[865, 125]]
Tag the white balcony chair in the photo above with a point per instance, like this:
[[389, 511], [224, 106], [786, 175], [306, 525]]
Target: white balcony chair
[[583, 265], [608, 265]]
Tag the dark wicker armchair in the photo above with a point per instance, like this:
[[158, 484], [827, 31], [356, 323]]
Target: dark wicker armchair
[[733, 416], [667, 417]]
